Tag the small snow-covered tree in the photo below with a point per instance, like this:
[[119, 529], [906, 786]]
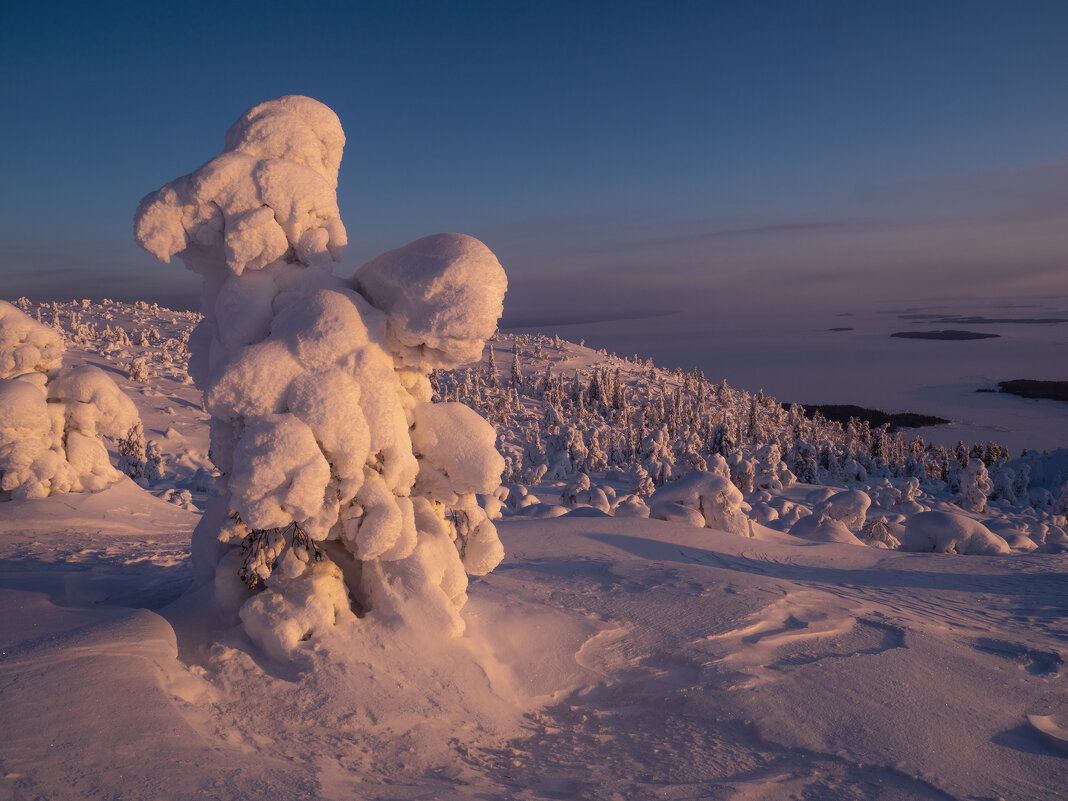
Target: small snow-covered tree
[[801, 460], [975, 486], [138, 369], [492, 377], [340, 479], [132, 452], [153, 462], [517, 371]]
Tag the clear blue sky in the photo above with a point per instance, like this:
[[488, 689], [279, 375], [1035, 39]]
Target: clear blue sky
[[651, 155]]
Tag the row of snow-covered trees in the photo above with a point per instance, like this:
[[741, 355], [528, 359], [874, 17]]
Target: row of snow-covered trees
[[655, 425], [627, 415]]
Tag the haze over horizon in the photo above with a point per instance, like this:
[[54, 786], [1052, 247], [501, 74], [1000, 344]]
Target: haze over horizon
[[615, 156]]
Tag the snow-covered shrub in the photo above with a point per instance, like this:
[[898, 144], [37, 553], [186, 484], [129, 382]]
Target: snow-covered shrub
[[704, 499], [884, 494], [743, 471], [132, 452], [153, 462], [577, 490], [339, 478], [789, 514], [763, 513], [138, 369], [837, 518], [630, 506], [179, 497], [801, 459], [975, 486], [881, 533], [848, 507], [771, 471], [823, 529], [946, 532], [519, 497], [53, 419]]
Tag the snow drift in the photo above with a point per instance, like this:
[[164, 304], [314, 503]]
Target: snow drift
[[344, 492]]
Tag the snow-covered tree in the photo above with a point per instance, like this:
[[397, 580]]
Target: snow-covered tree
[[339, 478], [153, 462], [517, 371], [132, 452], [975, 486], [138, 369], [492, 377], [53, 419]]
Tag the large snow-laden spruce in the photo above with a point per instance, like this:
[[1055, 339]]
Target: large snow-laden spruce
[[52, 418], [343, 489]]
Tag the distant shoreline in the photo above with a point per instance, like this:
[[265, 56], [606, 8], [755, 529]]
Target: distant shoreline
[[948, 334], [841, 413], [1027, 388]]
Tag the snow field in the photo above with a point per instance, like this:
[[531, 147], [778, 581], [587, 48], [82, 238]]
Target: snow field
[[604, 658]]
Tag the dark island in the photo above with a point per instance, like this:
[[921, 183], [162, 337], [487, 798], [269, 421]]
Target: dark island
[[841, 413], [1025, 388], [949, 334]]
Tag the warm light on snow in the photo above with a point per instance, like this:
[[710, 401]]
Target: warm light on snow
[[340, 480]]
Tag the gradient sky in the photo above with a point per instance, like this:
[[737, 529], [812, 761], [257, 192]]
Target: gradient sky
[[616, 156]]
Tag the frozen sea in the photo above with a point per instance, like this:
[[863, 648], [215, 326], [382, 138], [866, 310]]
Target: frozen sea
[[800, 357]]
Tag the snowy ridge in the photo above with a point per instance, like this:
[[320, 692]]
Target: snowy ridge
[[579, 427]]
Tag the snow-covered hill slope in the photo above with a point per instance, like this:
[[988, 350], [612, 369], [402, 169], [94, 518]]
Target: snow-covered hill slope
[[607, 657]]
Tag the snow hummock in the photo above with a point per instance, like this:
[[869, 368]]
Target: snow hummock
[[708, 499], [947, 532]]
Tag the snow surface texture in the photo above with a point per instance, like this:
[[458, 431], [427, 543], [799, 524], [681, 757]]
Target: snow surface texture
[[52, 419], [654, 660], [343, 489]]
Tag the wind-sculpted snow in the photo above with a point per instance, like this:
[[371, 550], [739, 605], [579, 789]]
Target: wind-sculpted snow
[[52, 419], [340, 480]]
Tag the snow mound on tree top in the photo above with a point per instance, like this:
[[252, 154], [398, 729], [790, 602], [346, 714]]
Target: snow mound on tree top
[[295, 128], [946, 532], [443, 294], [271, 190]]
